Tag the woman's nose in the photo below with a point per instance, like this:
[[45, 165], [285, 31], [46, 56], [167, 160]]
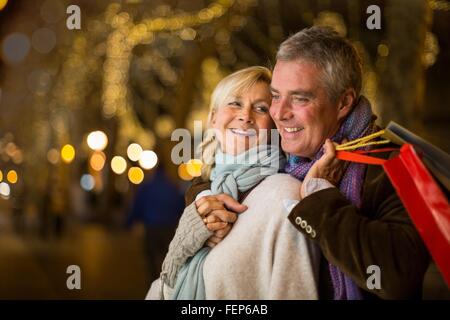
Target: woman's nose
[[246, 116]]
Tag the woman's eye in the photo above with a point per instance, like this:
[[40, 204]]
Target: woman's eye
[[263, 109], [275, 97], [234, 103]]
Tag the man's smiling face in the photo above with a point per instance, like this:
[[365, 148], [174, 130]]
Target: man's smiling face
[[301, 109]]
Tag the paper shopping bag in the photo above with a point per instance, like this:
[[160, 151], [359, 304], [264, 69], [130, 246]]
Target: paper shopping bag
[[422, 197]]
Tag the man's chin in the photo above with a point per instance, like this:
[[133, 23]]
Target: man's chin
[[291, 147]]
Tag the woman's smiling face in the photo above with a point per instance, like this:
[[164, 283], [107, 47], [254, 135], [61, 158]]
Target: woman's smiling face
[[238, 122]]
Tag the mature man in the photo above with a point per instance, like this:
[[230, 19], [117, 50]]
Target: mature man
[[352, 212]]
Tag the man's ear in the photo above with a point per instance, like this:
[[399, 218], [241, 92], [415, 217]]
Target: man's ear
[[346, 102]]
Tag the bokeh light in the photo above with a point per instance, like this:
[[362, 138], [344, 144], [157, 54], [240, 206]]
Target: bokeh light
[[118, 165], [1, 175], [12, 176], [87, 182], [148, 159], [5, 190], [68, 153], [135, 175], [43, 40], [97, 140], [134, 152], [15, 47], [53, 156], [97, 160], [194, 167], [183, 173], [52, 11], [3, 4], [383, 50]]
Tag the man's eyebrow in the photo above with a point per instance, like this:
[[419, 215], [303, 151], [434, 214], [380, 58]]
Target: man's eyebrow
[[307, 94], [304, 93]]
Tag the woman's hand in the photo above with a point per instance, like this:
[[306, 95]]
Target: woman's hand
[[327, 167], [218, 236], [217, 218], [207, 204]]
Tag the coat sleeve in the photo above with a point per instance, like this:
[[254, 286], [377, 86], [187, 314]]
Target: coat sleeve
[[197, 186], [380, 233]]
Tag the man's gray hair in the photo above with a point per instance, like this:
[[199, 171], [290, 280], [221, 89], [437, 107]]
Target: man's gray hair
[[334, 55]]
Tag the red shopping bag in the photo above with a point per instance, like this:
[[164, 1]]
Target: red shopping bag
[[425, 202]]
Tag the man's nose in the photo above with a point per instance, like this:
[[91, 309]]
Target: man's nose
[[282, 111]]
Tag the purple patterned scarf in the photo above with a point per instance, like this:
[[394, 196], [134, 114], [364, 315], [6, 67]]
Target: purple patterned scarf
[[359, 122]]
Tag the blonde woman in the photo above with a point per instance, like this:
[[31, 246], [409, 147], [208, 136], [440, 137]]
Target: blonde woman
[[257, 253]]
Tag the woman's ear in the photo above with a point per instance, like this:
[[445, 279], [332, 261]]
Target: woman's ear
[[213, 117], [346, 102]]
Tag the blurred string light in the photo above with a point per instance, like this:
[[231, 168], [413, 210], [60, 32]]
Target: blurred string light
[[148, 159], [15, 47], [125, 36], [135, 175], [97, 160], [118, 164], [333, 20], [440, 5], [164, 126], [3, 4], [431, 50], [1, 175], [68, 153], [39, 82], [183, 173], [97, 140], [53, 156], [87, 182], [12, 176], [5, 190], [194, 167], [134, 152]]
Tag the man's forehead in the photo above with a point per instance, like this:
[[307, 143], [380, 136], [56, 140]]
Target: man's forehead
[[294, 76]]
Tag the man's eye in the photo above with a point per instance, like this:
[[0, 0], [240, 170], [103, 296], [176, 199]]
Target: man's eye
[[300, 99], [275, 97]]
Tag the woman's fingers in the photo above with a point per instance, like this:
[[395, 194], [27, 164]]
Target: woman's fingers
[[215, 226], [210, 244], [231, 203], [208, 206], [224, 215], [215, 239], [221, 233]]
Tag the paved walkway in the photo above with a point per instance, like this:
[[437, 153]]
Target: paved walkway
[[113, 265]]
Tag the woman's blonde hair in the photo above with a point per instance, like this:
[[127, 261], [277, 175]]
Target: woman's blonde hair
[[234, 84]]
